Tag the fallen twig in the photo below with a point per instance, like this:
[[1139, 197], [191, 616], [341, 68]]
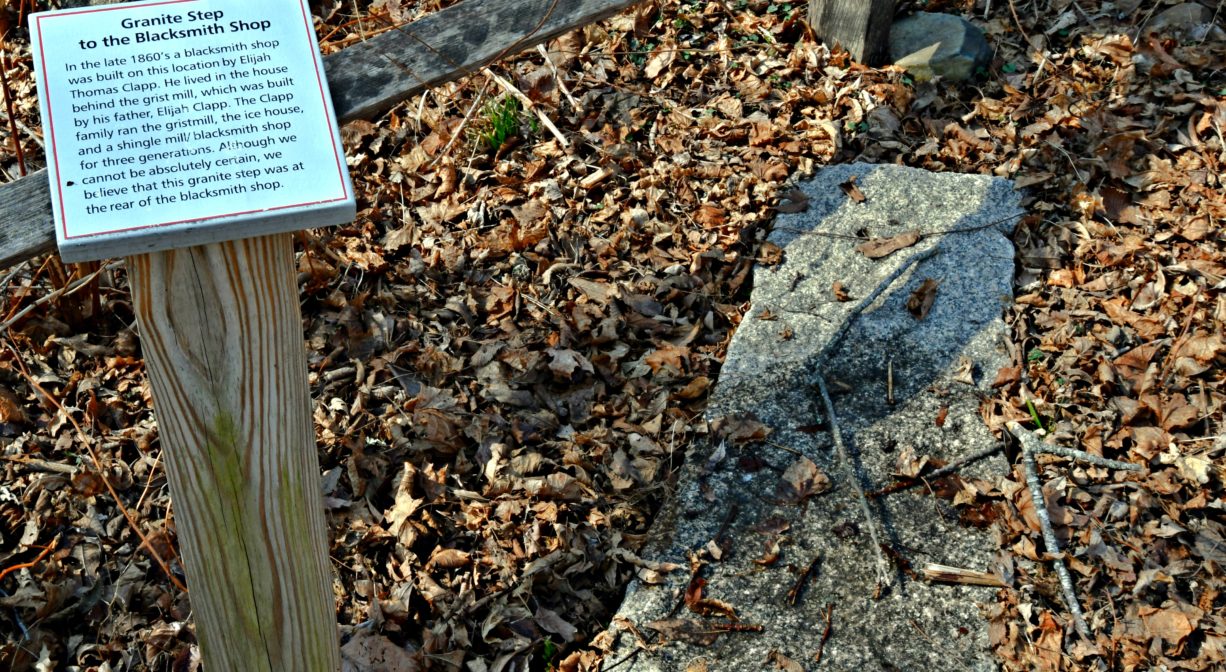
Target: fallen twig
[[1031, 442], [1031, 445], [969, 577], [801, 580], [821, 643], [67, 290], [557, 76], [27, 565], [936, 473], [41, 465], [883, 572], [463, 123]]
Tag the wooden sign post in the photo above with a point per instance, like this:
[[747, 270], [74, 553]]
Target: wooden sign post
[[862, 27], [191, 136]]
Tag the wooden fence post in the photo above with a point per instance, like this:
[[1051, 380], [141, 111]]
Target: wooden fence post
[[862, 27], [221, 332]]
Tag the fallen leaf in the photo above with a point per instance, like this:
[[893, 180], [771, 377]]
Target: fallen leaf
[[884, 247], [564, 361], [797, 201], [840, 291], [783, 662], [921, 300], [770, 254], [1007, 375], [448, 558], [1172, 624], [552, 622], [964, 370], [849, 187], [771, 556], [711, 215], [370, 652], [694, 389], [800, 481], [740, 428]]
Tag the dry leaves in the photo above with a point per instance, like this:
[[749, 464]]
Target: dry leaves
[[510, 348]]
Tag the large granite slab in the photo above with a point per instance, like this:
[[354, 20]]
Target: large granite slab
[[771, 371]]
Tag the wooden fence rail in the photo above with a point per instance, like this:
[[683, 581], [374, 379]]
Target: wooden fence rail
[[366, 79]]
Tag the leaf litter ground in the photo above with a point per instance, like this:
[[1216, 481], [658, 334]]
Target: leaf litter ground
[[512, 345]]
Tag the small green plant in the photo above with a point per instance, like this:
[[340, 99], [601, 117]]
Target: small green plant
[[549, 651], [1034, 414], [502, 119]]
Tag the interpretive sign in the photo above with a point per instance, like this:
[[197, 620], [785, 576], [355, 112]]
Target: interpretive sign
[[174, 123]]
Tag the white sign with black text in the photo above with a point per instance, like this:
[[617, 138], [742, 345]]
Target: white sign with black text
[[172, 123]]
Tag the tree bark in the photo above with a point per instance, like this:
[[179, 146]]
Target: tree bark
[[221, 332], [862, 27]]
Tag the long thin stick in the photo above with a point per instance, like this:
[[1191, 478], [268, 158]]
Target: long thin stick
[[27, 565], [883, 565], [883, 573], [1031, 442], [1049, 533], [937, 473], [821, 644], [67, 290]]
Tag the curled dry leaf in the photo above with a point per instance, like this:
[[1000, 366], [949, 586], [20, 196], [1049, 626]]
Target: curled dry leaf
[[853, 192], [784, 663], [740, 428], [840, 291], [964, 370], [800, 481], [921, 300], [770, 254], [448, 558], [793, 201], [1007, 376], [884, 247], [771, 556], [697, 602]]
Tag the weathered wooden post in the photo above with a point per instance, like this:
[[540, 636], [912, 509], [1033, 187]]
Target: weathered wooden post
[[190, 136], [861, 26]]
